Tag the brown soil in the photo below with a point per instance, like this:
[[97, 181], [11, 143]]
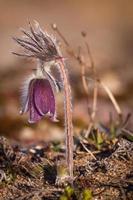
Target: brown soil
[[30, 171]]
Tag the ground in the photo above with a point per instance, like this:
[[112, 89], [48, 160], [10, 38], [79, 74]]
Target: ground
[[31, 171]]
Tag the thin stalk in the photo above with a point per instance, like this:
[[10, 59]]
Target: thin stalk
[[94, 106], [55, 28], [84, 82], [68, 119], [91, 58], [95, 91]]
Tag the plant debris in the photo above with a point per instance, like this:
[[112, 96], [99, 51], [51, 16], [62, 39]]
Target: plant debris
[[30, 171]]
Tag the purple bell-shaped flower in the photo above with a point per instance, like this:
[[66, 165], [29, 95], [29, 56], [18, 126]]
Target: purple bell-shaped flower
[[38, 100]]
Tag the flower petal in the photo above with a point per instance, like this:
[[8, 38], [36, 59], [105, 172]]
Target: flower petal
[[44, 100], [25, 95], [34, 114]]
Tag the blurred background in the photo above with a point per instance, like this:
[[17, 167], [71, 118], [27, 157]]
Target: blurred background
[[109, 27]]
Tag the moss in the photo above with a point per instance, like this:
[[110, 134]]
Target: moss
[[87, 194], [68, 193]]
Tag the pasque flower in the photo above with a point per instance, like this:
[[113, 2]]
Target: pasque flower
[[38, 92], [38, 99]]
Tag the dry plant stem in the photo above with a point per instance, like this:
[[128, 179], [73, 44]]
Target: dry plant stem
[[85, 86], [69, 49], [83, 65], [95, 95], [68, 119], [112, 98], [95, 92], [84, 82], [94, 107], [63, 38], [91, 58]]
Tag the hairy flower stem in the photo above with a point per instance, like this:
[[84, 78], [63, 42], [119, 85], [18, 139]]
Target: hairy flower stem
[[68, 119]]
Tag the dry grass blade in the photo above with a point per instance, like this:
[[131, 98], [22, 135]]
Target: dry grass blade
[[112, 98], [87, 150]]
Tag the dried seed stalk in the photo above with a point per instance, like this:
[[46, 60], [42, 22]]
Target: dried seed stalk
[[107, 90], [95, 90], [83, 65]]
